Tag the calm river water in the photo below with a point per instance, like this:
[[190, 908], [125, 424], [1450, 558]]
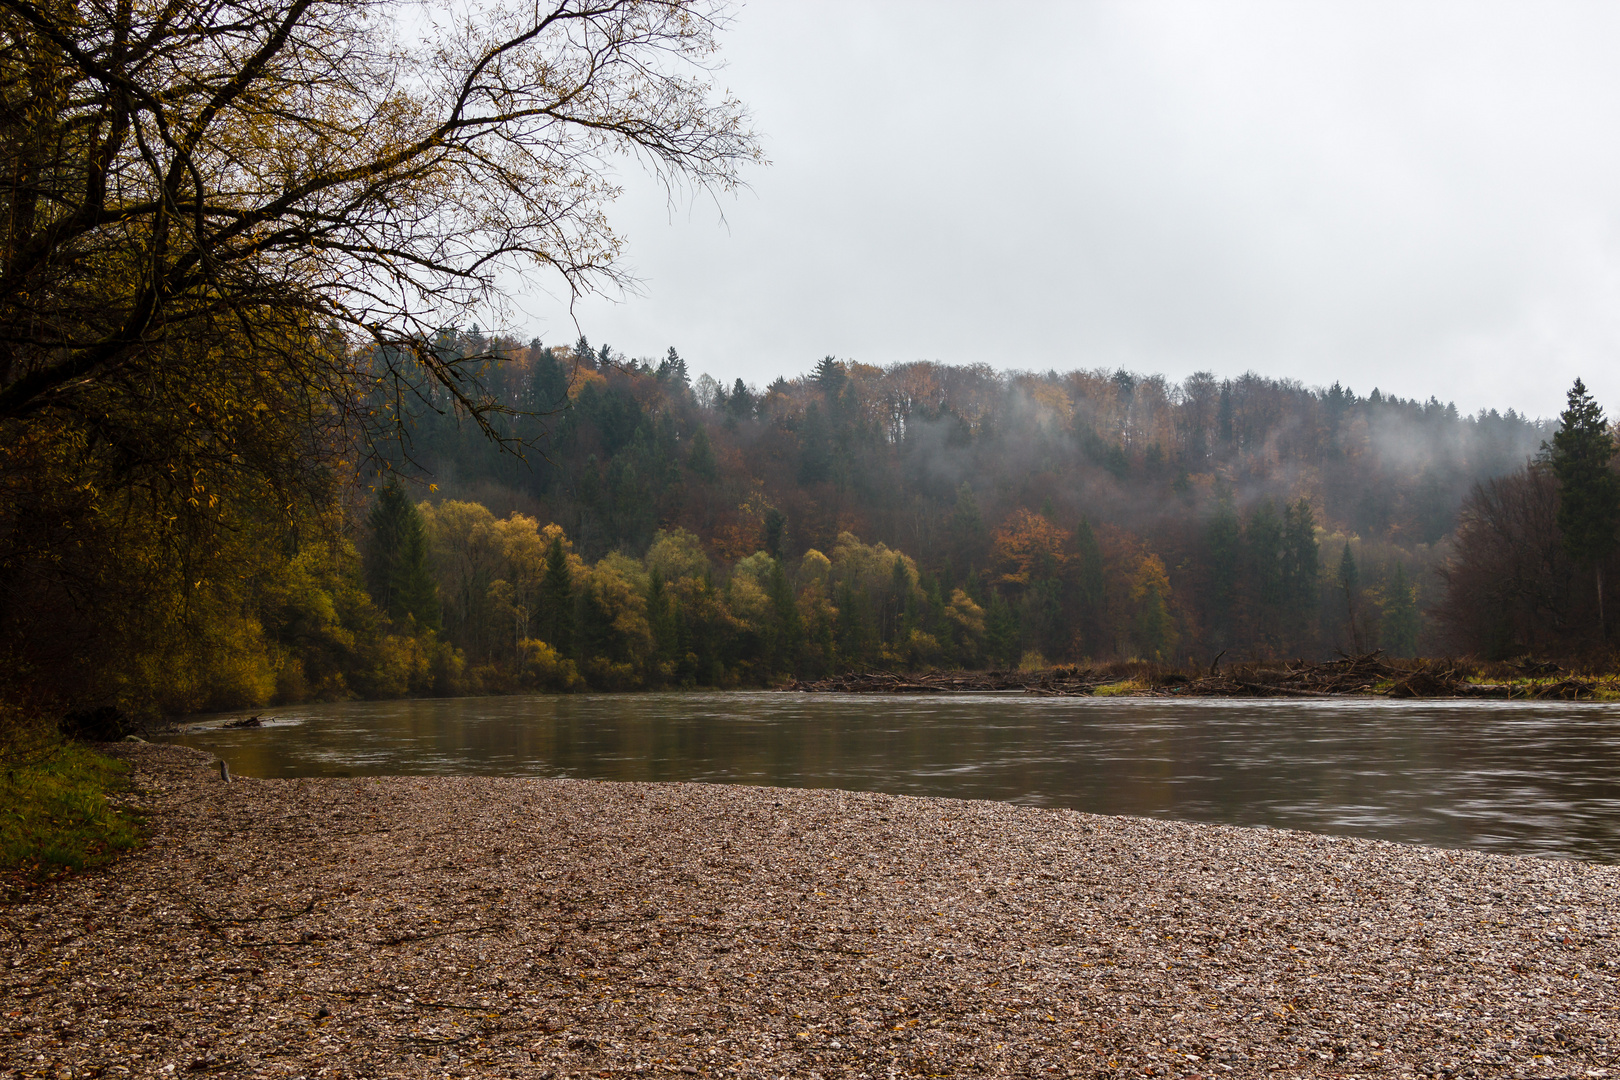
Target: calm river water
[[1536, 778]]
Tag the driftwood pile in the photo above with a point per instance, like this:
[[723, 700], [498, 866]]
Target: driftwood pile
[[931, 682], [1368, 674]]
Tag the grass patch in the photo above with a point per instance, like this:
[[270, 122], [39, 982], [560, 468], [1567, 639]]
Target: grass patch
[[1122, 688], [55, 815]]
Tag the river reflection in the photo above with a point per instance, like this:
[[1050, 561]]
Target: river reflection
[[1536, 778]]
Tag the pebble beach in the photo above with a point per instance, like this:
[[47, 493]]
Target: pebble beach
[[485, 927]]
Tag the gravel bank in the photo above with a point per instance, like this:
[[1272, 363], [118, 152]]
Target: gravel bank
[[524, 928]]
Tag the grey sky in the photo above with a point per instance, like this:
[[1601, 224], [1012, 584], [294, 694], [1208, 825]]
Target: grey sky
[[1421, 197]]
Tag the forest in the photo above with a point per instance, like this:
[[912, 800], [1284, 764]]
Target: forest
[[242, 461], [627, 526]]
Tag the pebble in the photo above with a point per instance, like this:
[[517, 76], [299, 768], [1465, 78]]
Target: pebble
[[485, 927]]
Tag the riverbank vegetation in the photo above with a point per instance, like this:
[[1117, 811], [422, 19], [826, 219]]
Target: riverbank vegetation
[[668, 537], [663, 536], [60, 811], [247, 456], [1371, 675]]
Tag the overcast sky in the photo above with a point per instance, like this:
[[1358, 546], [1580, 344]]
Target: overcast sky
[[1419, 197]]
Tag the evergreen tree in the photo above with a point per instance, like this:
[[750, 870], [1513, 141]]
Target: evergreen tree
[[815, 447], [584, 355], [1001, 632], [596, 637], [1263, 543], [548, 382], [787, 633], [775, 532], [1588, 489], [1300, 571], [1350, 587], [967, 532], [557, 600], [740, 405], [398, 574], [1398, 629], [662, 618], [672, 371], [700, 459], [1090, 595], [854, 637], [1224, 542], [829, 376]]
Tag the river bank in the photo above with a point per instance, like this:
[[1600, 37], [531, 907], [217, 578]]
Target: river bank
[[1368, 675], [534, 928]]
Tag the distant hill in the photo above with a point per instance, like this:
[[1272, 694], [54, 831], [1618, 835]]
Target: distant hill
[[964, 468]]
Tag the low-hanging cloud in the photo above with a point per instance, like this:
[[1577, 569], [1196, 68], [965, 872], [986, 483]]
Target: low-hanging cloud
[[1422, 198]]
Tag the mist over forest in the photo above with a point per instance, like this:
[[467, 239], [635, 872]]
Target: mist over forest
[[1083, 515], [241, 461]]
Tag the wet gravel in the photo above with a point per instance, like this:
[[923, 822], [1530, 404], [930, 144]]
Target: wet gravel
[[490, 927]]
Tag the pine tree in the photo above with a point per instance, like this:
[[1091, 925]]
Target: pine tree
[[830, 376], [740, 404], [1398, 629], [1588, 489], [557, 600], [1224, 542], [775, 532], [787, 633], [397, 571], [584, 355], [1001, 632], [967, 531], [1300, 571], [1263, 544], [1350, 586], [700, 459], [1089, 588], [815, 447], [672, 370]]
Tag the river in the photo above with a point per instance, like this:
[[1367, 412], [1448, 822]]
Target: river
[[1539, 778]]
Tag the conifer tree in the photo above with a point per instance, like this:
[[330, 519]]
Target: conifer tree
[[830, 376], [1588, 489], [1089, 588], [1350, 585], [967, 531], [1001, 632], [1224, 542], [787, 633], [1300, 571], [398, 575], [775, 532], [672, 370], [1398, 630], [815, 458], [700, 459], [557, 600]]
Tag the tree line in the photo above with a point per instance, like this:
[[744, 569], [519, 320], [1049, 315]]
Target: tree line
[[1086, 514], [227, 235], [228, 256], [655, 531], [1536, 548]]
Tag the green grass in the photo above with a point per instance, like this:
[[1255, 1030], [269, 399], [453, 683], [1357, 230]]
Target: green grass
[[55, 815], [1123, 688]]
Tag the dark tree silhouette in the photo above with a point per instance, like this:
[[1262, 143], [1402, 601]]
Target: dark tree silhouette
[[398, 575], [1581, 454]]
